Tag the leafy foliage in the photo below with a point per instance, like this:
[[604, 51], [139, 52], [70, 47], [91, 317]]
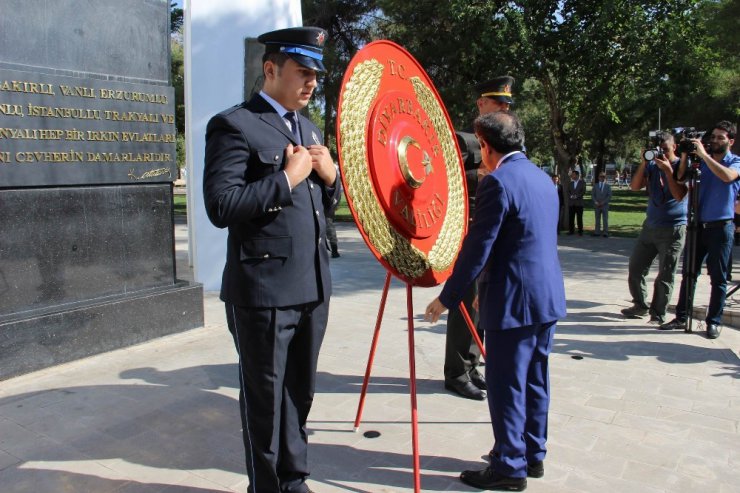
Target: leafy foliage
[[350, 25], [177, 78], [591, 75]]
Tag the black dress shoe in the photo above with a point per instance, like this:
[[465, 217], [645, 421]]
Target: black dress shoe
[[536, 469], [712, 331], [465, 389], [488, 479], [477, 379]]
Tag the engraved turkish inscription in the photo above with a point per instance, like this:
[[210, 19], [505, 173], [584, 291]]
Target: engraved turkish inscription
[[58, 130]]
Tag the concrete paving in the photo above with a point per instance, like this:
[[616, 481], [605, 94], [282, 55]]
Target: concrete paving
[[633, 408]]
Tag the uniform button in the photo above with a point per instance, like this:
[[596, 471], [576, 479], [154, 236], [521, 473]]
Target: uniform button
[[317, 212], [267, 255], [310, 185], [276, 157]]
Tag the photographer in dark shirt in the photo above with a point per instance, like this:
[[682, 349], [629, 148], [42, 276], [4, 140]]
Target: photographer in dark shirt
[[663, 232], [719, 185]]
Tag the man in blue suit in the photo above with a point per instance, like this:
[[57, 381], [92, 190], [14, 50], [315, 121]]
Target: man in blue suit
[[511, 248]]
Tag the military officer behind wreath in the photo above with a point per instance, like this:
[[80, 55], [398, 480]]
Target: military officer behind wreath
[[268, 179], [462, 355]]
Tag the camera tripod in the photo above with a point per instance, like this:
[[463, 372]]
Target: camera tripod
[[693, 174]]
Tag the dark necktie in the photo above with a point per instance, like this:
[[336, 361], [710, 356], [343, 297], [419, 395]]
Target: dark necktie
[[291, 117]]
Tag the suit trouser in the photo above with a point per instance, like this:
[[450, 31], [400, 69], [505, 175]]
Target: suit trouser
[[278, 354], [600, 212], [518, 382], [666, 243], [461, 352], [576, 212]]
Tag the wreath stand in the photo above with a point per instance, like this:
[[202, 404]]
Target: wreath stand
[[412, 368]]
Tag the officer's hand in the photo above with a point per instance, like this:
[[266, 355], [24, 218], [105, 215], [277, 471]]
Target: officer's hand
[[482, 170], [434, 310], [323, 164], [297, 164], [475, 304]]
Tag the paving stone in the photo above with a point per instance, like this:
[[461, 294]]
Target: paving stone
[[643, 411]]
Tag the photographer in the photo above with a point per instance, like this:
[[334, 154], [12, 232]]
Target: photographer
[[718, 188], [663, 231]]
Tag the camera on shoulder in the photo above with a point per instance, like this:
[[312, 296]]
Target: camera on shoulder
[[683, 136]]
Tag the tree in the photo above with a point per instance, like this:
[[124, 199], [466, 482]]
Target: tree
[[349, 25], [177, 79], [176, 17], [600, 68]]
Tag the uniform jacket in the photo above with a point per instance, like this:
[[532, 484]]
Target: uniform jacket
[[576, 193], [511, 247], [276, 254], [601, 196]]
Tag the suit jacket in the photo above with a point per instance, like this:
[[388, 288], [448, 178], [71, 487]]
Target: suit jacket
[[576, 193], [276, 255], [561, 199], [601, 196], [511, 248]]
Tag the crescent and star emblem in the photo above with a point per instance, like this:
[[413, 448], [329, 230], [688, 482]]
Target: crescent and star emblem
[[403, 162]]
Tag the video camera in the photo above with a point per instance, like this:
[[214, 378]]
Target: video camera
[[683, 136]]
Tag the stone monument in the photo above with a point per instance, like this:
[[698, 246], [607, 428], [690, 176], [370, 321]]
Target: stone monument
[[87, 161]]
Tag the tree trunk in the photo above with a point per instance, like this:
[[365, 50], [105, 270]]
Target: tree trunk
[[566, 149]]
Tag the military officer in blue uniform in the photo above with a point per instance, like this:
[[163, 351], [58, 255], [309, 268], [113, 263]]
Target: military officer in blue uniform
[[462, 355], [269, 179], [511, 248]]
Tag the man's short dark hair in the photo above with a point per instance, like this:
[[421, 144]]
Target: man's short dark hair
[[278, 59], [664, 137], [501, 130], [728, 127]]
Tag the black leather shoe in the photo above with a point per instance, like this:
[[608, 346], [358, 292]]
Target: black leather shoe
[[477, 379], [465, 389], [712, 331], [488, 479], [674, 324], [536, 469]]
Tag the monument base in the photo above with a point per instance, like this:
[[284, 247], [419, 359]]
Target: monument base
[[40, 340]]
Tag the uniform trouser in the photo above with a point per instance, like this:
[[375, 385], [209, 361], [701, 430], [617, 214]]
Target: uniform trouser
[[714, 245], [461, 352], [518, 383], [576, 213], [331, 231], [602, 212], [666, 243], [278, 353]]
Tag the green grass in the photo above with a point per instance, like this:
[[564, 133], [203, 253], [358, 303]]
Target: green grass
[[181, 205], [626, 211], [343, 213]]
